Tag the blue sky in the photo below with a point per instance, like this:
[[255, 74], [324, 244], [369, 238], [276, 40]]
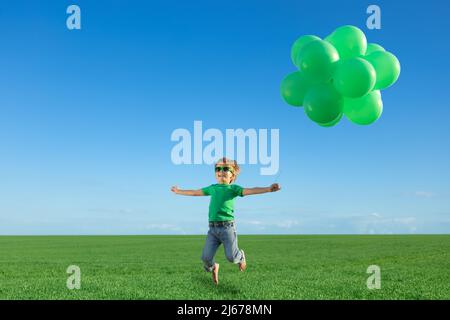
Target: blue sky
[[86, 118]]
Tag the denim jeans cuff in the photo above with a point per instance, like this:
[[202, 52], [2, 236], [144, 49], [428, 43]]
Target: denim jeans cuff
[[208, 269]]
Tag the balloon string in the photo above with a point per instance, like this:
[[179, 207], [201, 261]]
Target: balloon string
[[277, 177]]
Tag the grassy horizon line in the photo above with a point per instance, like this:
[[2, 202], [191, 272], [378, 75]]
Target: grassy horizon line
[[240, 234]]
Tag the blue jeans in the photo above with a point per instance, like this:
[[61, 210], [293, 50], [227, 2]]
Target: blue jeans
[[217, 235]]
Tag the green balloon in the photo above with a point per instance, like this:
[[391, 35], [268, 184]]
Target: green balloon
[[349, 41], [299, 44], [294, 87], [331, 123], [354, 77], [316, 59], [323, 103], [364, 110], [372, 47], [387, 68]]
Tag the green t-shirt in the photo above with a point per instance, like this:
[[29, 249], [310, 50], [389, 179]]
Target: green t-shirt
[[221, 206]]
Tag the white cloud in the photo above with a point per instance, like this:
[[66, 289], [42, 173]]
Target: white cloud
[[375, 223], [287, 224], [164, 227], [424, 194], [419, 194], [254, 222], [375, 214], [262, 225]]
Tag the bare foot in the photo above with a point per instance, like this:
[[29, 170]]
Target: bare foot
[[215, 273], [243, 263]]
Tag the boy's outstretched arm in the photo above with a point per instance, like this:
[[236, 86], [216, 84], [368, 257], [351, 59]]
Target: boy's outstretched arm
[[249, 191], [199, 192]]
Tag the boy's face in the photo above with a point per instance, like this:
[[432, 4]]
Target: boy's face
[[224, 173]]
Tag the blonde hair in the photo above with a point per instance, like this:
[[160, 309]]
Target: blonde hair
[[231, 163]]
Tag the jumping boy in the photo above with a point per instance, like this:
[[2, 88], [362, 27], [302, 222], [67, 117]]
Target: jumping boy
[[222, 228]]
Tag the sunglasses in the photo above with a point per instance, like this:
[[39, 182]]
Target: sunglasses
[[224, 169]]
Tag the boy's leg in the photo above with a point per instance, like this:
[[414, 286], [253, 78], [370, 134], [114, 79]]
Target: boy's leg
[[215, 273], [243, 262], [230, 244], [212, 243]]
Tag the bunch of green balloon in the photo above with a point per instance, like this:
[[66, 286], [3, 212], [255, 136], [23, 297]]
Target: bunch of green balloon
[[341, 74]]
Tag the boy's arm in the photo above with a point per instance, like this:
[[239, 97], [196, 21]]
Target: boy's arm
[[199, 192], [249, 191]]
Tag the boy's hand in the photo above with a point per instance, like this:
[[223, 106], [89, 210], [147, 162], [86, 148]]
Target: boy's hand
[[274, 187], [249, 191], [198, 192]]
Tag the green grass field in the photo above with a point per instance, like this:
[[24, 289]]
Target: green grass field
[[279, 267]]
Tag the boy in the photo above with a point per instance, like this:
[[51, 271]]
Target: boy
[[222, 228]]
